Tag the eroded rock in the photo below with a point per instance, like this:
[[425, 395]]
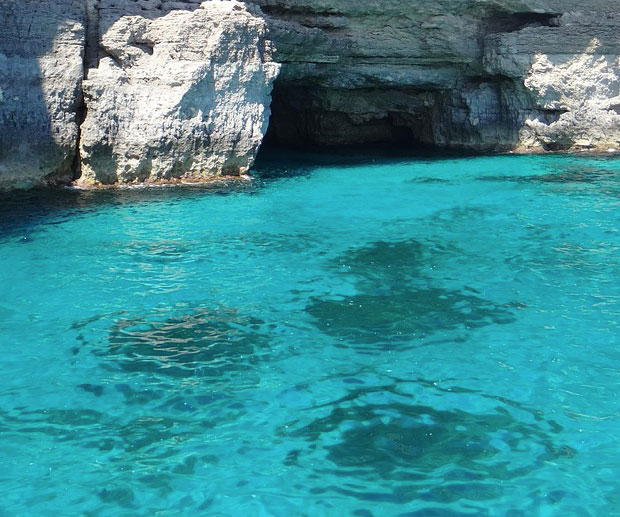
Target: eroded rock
[[476, 75], [183, 95], [41, 48]]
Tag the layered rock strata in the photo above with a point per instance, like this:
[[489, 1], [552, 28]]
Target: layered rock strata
[[41, 69], [486, 75], [128, 91]]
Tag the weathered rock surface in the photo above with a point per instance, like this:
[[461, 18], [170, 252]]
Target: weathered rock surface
[[480, 75], [181, 89], [41, 48], [568, 78]]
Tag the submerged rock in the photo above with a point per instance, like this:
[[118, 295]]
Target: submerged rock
[[203, 343], [397, 304], [385, 447], [386, 321]]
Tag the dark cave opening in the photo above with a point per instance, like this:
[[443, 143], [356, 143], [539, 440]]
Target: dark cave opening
[[480, 116], [513, 22], [308, 117]]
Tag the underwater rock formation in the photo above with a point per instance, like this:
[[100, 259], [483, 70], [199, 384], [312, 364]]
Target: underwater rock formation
[[129, 91]]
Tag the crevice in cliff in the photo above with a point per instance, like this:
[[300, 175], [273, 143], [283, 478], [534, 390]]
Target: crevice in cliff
[[330, 21], [91, 50], [80, 116], [279, 11], [90, 61], [147, 47]]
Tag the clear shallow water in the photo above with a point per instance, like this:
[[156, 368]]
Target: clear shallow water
[[359, 337]]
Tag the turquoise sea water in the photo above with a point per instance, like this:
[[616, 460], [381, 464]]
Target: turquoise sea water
[[345, 336]]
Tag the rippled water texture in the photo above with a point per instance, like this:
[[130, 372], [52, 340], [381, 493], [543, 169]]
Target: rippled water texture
[[344, 336]]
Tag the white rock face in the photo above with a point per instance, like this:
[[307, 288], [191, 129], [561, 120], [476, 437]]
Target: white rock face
[[41, 47], [571, 81], [184, 95]]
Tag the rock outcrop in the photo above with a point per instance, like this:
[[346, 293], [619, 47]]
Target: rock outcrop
[[180, 92], [477, 75], [565, 79], [126, 91]]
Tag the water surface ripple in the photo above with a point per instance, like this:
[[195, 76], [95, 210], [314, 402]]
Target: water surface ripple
[[343, 336]]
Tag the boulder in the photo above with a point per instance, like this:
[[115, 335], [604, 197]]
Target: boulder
[[180, 93]]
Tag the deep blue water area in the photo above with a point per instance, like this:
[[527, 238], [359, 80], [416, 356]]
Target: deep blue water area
[[342, 336]]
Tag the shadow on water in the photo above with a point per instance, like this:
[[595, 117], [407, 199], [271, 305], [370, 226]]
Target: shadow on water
[[277, 162], [397, 302], [22, 212], [407, 448], [605, 178]]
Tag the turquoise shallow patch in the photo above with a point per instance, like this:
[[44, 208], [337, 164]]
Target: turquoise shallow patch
[[345, 335]]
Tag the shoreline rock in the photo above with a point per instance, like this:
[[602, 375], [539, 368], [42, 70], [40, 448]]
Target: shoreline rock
[[183, 95], [136, 91], [41, 69], [212, 181]]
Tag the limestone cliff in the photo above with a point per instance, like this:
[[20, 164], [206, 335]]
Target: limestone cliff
[[41, 48], [480, 75], [125, 91]]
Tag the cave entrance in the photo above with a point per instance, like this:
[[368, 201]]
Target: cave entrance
[[312, 117]]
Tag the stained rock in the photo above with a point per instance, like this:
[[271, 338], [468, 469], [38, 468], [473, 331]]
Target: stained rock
[[41, 47]]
